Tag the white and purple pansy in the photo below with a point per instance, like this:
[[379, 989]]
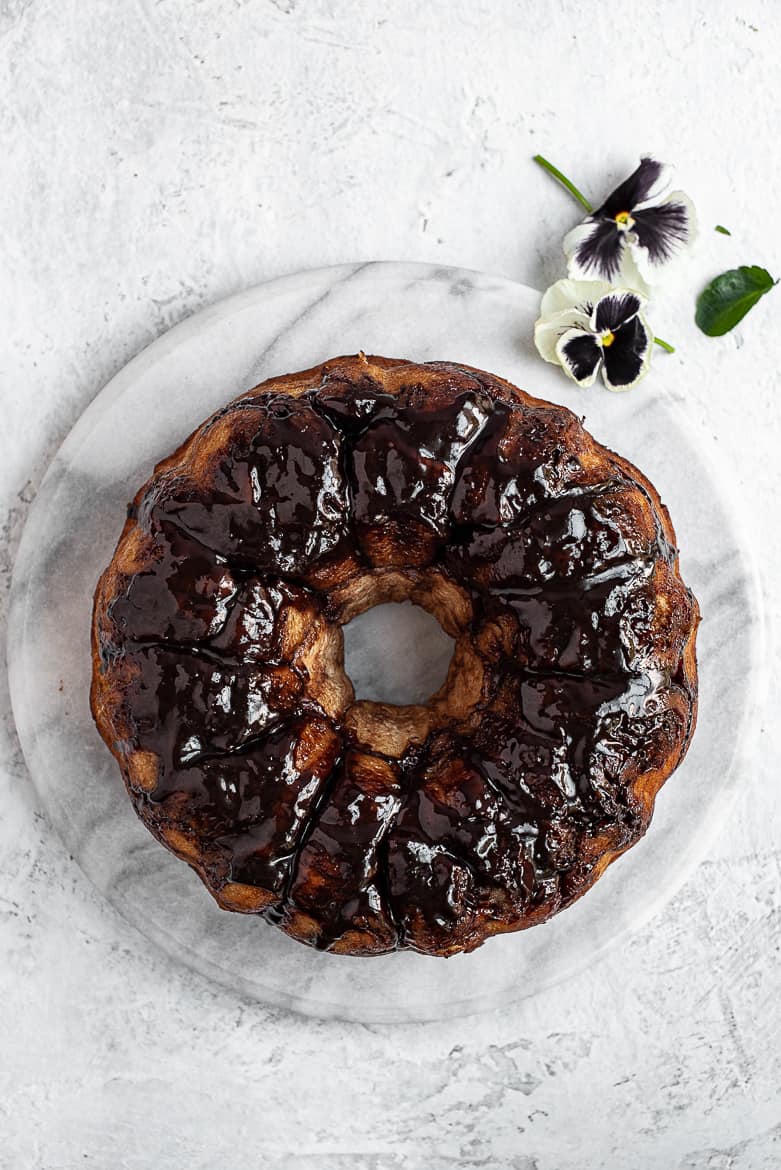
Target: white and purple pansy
[[587, 327], [635, 231]]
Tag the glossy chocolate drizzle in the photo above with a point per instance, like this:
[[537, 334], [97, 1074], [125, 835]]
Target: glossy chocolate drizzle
[[497, 817]]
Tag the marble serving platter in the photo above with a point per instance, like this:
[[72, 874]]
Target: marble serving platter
[[405, 310]]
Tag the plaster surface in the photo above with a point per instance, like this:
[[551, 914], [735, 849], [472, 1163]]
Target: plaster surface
[[158, 156]]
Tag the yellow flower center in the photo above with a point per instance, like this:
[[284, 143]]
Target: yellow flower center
[[608, 339], [624, 219]]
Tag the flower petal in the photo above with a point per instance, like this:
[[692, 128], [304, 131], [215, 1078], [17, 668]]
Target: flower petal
[[580, 355], [593, 250], [630, 275], [694, 227], [615, 309], [665, 229], [646, 183], [627, 360], [548, 330], [570, 294], [659, 190]]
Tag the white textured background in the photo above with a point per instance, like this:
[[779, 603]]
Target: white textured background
[[158, 154]]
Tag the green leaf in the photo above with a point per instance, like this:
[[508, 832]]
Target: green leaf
[[727, 299], [721, 228]]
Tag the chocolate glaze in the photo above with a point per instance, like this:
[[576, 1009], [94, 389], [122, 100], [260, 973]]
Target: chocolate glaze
[[496, 818], [183, 595], [336, 882], [277, 502], [457, 845]]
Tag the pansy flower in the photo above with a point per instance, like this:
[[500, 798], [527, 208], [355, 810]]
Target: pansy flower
[[587, 327], [636, 230]]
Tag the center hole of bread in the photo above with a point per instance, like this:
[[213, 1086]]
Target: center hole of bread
[[396, 653]]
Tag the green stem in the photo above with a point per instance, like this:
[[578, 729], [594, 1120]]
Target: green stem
[[665, 345], [565, 182]]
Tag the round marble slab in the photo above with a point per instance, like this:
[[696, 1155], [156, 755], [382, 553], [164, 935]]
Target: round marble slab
[[405, 310]]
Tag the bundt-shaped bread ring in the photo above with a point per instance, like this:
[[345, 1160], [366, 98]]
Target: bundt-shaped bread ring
[[362, 827]]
